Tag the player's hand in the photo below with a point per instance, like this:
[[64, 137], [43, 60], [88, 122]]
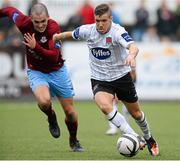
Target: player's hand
[[30, 40], [56, 38], [130, 60]]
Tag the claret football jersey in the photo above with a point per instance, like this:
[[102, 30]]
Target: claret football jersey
[[46, 56]]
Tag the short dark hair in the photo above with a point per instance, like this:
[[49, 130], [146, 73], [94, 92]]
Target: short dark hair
[[102, 9], [39, 8]]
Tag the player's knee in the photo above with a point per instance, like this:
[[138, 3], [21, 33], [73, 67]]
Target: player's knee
[[106, 108], [44, 102], [136, 114], [68, 109]]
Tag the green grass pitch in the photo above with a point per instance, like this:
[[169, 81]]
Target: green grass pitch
[[24, 133]]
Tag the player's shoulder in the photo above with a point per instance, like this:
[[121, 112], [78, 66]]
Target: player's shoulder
[[53, 26], [52, 23], [25, 24], [88, 26], [118, 28]]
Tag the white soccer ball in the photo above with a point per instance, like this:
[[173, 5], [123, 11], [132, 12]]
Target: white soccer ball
[[128, 145]]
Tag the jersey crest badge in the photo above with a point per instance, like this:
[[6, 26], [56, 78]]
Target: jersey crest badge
[[108, 40], [43, 39]]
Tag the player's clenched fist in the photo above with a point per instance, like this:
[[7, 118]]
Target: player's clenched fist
[[62, 36], [56, 37], [130, 60]]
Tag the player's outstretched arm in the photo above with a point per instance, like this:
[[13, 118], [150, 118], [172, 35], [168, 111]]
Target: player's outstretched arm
[[62, 36], [13, 14], [133, 51]]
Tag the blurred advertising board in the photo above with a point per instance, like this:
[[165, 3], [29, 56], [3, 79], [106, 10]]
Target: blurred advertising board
[[13, 82], [158, 70]]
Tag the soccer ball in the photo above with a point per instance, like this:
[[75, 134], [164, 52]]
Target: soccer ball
[[128, 145]]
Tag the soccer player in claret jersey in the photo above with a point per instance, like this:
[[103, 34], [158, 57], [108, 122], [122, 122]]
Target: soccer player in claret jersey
[[110, 70], [47, 73]]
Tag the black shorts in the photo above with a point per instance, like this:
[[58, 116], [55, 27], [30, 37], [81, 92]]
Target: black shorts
[[123, 88]]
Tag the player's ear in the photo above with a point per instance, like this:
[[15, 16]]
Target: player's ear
[[31, 16]]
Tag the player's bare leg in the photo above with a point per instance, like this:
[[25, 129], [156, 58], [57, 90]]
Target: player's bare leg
[[104, 101], [42, 96], [140, 118], [71, 121]]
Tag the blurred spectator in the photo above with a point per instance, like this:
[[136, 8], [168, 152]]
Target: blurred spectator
[[14, 37], [165, 39], [150, 35], [115, 15], [5, 23], [73, 22], [165, 20], [32, 3], [142, 17], [2, 39], [87, 12], [177, 20], [178, 34]]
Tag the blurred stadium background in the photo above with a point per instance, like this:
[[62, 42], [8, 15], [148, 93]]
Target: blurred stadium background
[[154, 24]]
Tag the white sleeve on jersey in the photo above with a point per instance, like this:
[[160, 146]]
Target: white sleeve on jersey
[[81, 33], [122, 37]]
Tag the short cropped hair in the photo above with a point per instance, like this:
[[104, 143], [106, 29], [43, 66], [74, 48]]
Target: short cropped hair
[[102, 9], [38, 9]]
